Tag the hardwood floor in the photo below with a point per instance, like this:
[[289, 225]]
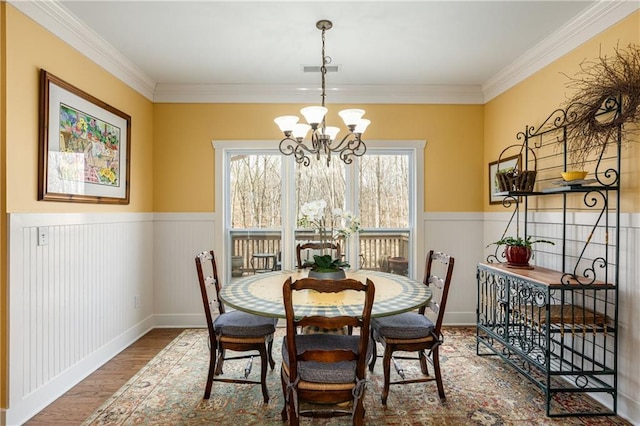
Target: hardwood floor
[[79, 402]]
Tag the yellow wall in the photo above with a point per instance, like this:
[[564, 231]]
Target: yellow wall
[[184, 174], [3, 223], [531, 101], [30, 47]]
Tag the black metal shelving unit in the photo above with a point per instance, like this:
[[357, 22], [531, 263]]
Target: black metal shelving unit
[[559, 328]]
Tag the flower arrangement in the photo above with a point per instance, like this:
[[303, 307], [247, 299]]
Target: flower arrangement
[[336, 224]]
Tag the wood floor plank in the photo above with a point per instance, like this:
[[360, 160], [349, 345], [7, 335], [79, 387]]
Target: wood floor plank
[[79, 402]]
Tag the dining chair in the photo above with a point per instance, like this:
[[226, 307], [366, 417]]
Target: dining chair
[[414, 332], [315, 248], [235, 330], [328, 369]]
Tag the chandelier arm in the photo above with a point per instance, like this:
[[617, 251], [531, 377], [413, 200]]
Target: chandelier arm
[[352, 141], [290, 146], [347, 149]]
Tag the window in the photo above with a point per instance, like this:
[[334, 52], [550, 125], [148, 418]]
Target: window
[[259, 193]]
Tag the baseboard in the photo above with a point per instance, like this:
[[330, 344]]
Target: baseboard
[[21, 411]]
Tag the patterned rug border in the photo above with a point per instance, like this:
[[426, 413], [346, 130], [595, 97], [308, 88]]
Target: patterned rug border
[[169, 389]]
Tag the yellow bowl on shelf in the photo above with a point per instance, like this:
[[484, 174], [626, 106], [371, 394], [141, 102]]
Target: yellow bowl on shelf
[[574, 175]]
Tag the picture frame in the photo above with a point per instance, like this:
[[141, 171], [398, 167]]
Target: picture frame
[[85, 146], [504, 164]]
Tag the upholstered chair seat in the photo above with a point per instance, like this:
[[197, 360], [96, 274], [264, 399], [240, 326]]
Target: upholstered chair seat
[[243, 324], [323, 372], [409, 325]]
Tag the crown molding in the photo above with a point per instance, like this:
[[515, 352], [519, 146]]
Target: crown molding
[[57, 19], [286, 93], [593, 21]]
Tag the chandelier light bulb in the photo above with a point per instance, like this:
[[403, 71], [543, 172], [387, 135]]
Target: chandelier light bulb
[[362, 125], [286, 122], [300, 131], [351, 117], [314, 115], [332, 132]]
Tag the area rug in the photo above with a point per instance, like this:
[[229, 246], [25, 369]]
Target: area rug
[[480, 391]]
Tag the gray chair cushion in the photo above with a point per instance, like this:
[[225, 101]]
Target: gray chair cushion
[[324, 372], [409, 325], [242, 324]]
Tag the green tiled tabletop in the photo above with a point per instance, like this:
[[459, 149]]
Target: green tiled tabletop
[[262, 294]]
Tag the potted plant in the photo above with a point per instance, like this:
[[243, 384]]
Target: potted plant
[[518, 249], [325, 266]]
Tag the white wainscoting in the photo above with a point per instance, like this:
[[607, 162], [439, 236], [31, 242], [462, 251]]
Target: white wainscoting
[[178, 238], [461, 236], [73, 301]]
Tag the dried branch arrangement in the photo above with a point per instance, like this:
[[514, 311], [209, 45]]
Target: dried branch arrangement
[[607, 94]]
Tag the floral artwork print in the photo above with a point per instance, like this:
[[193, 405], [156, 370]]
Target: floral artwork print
[[94, 148]]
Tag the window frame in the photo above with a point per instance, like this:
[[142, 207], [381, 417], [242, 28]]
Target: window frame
[[222, 239]]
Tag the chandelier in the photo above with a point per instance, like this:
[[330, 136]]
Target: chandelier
[[323, 138]]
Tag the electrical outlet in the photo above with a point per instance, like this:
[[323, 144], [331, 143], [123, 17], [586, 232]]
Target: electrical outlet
[[43, 236], [136, 301]]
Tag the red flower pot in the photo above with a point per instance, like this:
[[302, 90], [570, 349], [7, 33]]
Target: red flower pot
[[518, 255]]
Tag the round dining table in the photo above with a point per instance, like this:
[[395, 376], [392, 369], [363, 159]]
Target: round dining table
[[261, 294]]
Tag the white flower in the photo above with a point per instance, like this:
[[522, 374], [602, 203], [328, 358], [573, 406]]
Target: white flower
[[340, 223], [313, 210]]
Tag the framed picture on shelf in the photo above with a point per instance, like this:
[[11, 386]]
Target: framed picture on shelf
[[503, 165], [85, 146]]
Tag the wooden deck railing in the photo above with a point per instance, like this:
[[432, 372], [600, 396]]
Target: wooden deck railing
[[376, 246]]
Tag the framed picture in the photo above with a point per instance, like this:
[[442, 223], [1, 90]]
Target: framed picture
[[85, 146], [506, 164]]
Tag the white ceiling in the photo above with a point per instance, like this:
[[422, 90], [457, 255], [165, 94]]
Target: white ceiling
[[386, 51]]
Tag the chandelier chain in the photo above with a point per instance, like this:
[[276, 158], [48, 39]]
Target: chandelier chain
[[323, 69]]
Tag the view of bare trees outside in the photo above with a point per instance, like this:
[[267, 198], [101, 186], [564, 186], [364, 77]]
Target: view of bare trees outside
[[384, 191], [319, 182], [255, 197], [255, 191], [383, 187]]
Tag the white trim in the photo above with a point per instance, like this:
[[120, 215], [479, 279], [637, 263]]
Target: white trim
[[51, 219], [57, 19], [62, 23], [290, 93], [593, 21]]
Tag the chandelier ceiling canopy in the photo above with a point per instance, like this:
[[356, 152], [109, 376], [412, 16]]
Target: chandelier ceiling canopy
[[324, 139]]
